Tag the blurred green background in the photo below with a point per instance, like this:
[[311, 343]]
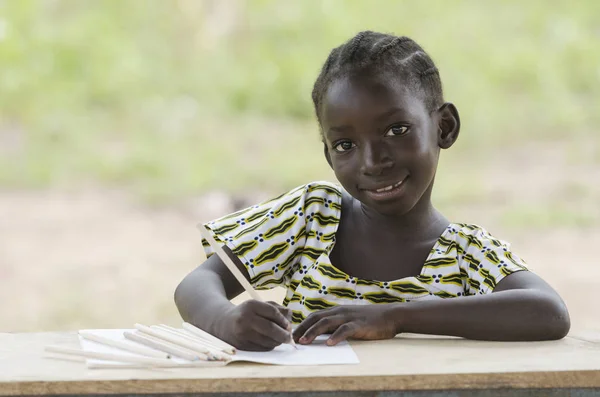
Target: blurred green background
[[171, 97], [170, 100]]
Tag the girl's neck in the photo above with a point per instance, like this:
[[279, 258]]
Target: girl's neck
[[422, 222]]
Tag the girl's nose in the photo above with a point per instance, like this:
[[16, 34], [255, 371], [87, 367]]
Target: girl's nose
[[376, 159]]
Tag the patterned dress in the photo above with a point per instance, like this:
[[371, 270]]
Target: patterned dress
[[286, 242]]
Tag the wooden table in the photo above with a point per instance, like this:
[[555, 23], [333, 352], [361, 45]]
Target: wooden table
[[410, 365]]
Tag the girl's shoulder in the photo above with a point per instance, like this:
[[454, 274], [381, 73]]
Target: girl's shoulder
[[472, 237], [484, 259], [331, 192], [317, 196], [322, 193], [471, 231], [278, 227], [324, 189]]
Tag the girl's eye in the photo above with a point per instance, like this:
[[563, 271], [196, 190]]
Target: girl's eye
[[343, 146], [397, 130]]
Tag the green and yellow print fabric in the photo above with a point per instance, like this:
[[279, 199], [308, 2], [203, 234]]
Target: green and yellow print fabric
[[278, 237], [286, 241]]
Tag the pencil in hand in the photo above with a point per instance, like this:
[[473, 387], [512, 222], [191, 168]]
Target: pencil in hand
[[235, 271]]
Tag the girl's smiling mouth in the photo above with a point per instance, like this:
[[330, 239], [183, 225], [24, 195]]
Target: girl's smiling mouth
[[386, 191]]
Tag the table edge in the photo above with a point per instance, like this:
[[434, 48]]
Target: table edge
[[462, 381]]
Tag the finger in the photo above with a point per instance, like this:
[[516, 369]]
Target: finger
[[307, 323], [323, 326], [287, 312], [273, 332], [263, 342], [343, 332], [248, 338], [259, 343], [271, 313], [314, 318]]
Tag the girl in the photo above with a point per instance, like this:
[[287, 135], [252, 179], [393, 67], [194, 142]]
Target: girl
[[371, 258]]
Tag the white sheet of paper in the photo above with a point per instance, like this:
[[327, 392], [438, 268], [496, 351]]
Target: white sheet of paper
[[318, 353]]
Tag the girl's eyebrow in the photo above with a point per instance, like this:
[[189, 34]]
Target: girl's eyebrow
[[379, 118], [390, 112], [340, 129]]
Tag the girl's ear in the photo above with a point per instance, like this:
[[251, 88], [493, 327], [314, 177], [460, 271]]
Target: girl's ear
[[448, 125], [327, 156]]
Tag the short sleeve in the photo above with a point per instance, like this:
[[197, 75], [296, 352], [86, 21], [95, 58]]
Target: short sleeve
[[485, 260], [268, 238]]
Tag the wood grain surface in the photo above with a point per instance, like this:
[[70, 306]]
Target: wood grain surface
[[408, 362]]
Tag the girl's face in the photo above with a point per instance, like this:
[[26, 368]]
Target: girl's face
[[381, 141]]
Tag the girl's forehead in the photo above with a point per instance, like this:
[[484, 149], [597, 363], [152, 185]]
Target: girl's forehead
[[369, 96]]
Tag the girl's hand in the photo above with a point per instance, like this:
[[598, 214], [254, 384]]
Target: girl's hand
[[357, 322], [256, 326]]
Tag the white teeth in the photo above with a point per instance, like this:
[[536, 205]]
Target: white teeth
[[388, 188], [385, 189]]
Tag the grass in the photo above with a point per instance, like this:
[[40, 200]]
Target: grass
[[170, 99]]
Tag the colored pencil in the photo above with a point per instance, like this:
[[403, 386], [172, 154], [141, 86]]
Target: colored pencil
[[192, 329], [123, 346], [162, 345], [194, 346], [148, 361]]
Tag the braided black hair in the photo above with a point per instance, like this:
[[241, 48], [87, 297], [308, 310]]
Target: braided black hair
[[380, 52]]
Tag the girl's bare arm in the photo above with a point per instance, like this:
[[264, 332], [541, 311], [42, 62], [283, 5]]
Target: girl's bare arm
[[204, 294], [203, 299], [522, 308]]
